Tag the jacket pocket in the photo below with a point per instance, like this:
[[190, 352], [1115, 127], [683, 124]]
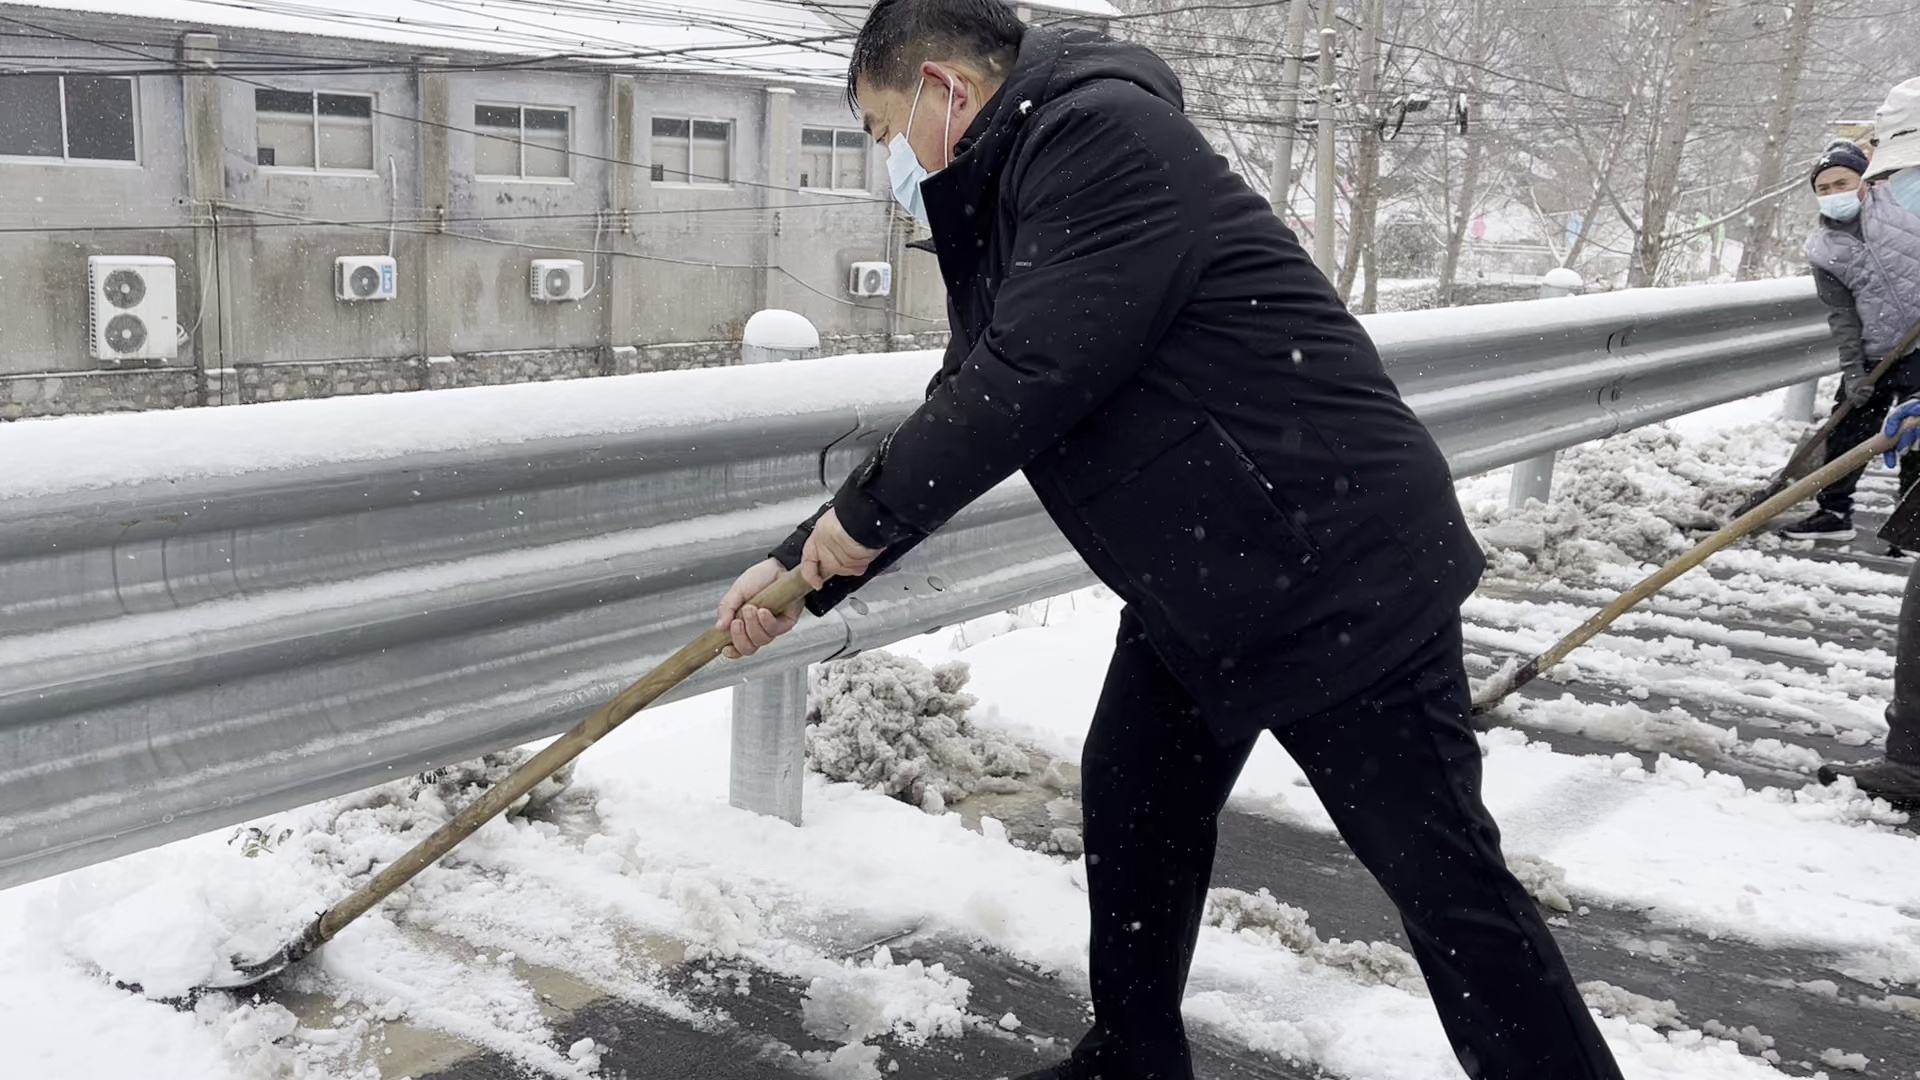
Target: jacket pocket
[[1196, 529]]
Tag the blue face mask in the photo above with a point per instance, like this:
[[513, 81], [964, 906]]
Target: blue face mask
[[1905, 186], [1841, 206], [903, 165]]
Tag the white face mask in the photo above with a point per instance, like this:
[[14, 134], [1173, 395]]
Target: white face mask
[[904, 169], [1905, 186], [1841, 206]]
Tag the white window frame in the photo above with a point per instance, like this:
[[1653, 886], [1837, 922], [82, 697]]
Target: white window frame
[[690, 182], [139, 149], [866, 160], [313, 118], [520, 142]]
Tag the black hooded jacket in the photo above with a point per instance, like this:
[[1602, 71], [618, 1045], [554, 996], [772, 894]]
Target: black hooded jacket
[[1190, 400]]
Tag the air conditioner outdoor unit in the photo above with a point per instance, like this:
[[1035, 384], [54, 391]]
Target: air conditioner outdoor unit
[[871, 279], [130, 308], [365, 277], [553, 280]]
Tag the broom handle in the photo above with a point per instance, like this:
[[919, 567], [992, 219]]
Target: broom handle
[[1746, 523], [781, 596], [1817, 443]]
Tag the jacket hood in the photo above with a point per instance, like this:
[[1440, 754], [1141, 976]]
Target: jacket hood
[[1051, 64], [1055, 62]]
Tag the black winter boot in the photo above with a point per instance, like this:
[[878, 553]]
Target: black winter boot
[[1894, 781], [1820, 525]]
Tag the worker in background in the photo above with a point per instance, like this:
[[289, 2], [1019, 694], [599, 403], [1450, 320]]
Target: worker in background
[[1896, 161], [1866, 267]]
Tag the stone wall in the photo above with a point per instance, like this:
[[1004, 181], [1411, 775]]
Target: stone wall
[[122, 390], [334, 378], [676, 356], [116, 390], [518, 366], [842, 344]]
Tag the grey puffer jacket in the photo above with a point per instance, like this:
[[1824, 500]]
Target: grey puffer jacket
[[1843, 318], [1880, 266]]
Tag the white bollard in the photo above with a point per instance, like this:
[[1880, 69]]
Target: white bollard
[[1803, 402], [1533, 478], [1559, 282], [776, 334], [770, 745]]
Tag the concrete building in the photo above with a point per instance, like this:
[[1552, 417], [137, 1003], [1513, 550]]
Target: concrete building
[[696, 173]]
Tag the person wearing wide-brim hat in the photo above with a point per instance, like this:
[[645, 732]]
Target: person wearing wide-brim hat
[[1896, 142], [1890, 210]]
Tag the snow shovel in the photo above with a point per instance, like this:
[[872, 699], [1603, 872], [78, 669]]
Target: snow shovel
[[1506, 682], [789, 590], [1810, 448]]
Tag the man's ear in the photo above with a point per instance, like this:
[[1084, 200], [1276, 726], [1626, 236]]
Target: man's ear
[[949, 78]]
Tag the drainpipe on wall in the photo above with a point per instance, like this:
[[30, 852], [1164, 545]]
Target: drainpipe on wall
[[206, 188], [621, 299], [432, 302], [779, 138]]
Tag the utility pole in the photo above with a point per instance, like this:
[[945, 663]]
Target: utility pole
[[1323, 192], [1280, 183]]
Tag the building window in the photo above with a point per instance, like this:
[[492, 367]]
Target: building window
[[692, 151], [304, 129], [67, 117], [834, 158], [521, 143]]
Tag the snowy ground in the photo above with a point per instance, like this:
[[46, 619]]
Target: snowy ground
[[1657, 795]]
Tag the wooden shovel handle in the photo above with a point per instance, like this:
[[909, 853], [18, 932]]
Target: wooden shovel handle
[[781, 596], [1817, 442], [1497, 689]]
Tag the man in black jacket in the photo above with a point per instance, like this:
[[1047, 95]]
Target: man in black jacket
[[1195, 408]]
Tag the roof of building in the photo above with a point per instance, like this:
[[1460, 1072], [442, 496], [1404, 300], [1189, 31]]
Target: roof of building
[[1099, 8], [761, 38]]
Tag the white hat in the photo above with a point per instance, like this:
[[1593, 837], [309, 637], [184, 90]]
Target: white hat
[[1896, 131]]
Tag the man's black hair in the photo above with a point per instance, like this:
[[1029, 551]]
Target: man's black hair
[[900, 35]]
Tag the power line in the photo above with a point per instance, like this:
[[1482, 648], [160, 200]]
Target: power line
[[423, 215]]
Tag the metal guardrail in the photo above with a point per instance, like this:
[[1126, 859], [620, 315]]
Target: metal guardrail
[[183, 651]]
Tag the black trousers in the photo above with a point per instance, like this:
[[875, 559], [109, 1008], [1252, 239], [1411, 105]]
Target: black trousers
[[1903, 716], [1399, 770], [1861, 424]]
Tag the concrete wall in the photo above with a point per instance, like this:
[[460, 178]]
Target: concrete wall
[[86, 209], [677, 268]]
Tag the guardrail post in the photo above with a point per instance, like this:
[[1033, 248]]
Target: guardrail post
[[1803, 403], [769, 745], [1533, 478]]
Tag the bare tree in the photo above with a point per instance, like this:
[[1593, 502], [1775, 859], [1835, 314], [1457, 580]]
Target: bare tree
[[1671, 126], [1628, 139], [1366, 179], [1763, 219], [1465, 199]]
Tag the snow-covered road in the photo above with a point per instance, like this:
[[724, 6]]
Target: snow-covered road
[[1731, 918]]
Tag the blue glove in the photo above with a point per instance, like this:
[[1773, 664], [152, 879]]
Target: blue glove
[[1905, 411]]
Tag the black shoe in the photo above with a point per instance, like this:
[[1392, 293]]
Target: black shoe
[[1895, 551], [1820, 525], [1894, 781]]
